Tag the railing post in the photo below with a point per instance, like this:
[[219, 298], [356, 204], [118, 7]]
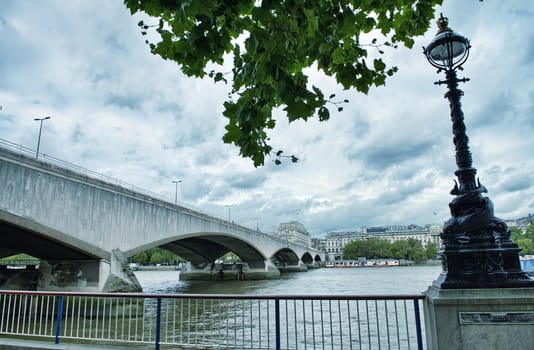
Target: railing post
[[418, 324], [59, 317], [158, 323], [277, 322]]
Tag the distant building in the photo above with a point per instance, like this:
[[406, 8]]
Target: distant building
[[336, 241], [425, 235], [318, 243], [294, 232], [521, 223]]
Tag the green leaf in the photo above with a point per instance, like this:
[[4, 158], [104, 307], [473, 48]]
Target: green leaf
[[218, 77], [297, 109], [379, 65], [338, 56], [324, 114]]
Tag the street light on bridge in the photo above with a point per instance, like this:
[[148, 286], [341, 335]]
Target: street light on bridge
[[229, 206], [477, 251], [40, 130], [176, 182]]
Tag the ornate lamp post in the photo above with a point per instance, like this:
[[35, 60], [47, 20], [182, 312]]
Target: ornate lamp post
[[477, 251]]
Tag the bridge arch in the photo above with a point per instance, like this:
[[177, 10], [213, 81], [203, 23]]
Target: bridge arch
[[285, 256], [287, 260], [65, 262], [203, 248], [20, 235], [307, 258]]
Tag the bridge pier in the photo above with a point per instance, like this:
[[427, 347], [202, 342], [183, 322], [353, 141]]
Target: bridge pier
[[81, 275], [313, 265], [20, 278], [119, 278], [73, 276], [86, 276], [289, 267], [237, 271]]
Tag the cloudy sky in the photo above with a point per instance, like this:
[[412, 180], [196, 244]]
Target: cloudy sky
[[387, 159]]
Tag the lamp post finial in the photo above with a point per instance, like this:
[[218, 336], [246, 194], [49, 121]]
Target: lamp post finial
[[443, 23]]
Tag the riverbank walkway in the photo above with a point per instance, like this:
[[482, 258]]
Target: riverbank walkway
[[25, 344]]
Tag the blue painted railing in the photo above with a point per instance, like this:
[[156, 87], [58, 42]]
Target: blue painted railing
[[214, 321]]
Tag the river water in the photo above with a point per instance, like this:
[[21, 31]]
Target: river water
[[325, 281]]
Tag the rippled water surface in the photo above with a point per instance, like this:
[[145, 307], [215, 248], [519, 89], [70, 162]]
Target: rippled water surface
[[330, 281]]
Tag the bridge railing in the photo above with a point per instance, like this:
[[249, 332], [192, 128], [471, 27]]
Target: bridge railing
[[73, 167], [8, 145], [216, 321]]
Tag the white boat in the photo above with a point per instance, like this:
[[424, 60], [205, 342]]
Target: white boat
[[527, 264]]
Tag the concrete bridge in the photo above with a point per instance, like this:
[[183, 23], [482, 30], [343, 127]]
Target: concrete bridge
[[83, 229]]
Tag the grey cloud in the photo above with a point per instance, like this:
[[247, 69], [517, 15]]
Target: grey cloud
[[493, 111], [360, 126], [124, 101], [528, 51], [351, 216], [207, 158], [382, 154], [403, 191], [527, 117], [115, 44], [195, 134], [7, 120], [78, 134], [246, 181], [518, 182], [14, 49], [171, 108]]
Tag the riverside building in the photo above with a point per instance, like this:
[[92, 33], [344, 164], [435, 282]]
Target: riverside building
[[294, 232], [336, 241]]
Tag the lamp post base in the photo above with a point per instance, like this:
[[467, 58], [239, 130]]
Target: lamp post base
[[477, 249], [482, 267]]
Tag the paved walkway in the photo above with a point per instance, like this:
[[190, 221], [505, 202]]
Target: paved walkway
[[24, 344]]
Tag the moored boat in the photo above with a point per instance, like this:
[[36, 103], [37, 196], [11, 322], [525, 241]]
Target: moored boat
[[527, 264], [363, 263]]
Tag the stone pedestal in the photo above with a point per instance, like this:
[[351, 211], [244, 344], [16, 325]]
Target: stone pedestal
[[463, 319]]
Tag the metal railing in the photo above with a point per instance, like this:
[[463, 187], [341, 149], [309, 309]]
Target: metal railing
[[216, 321]]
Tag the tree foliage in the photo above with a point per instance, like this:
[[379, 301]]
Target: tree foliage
[[20, 257], [156, 256], [374, 248], [272, 43], [525, 240]]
